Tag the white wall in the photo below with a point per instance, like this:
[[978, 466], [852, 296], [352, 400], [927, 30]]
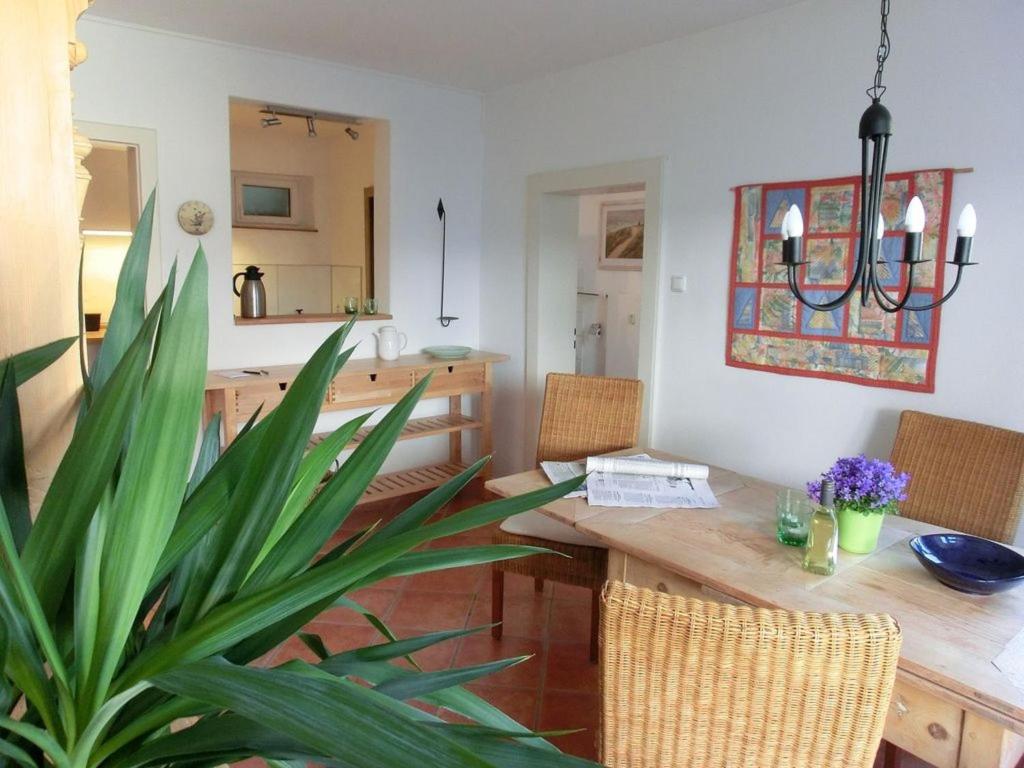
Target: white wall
[[778, 97], [619, 289], [180, 87]]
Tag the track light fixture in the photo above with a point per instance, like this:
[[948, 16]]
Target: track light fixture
[[270, 121], [352, 133], [311, 127]]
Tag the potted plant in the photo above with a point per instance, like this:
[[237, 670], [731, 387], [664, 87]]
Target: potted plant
[[158, 569], [866, 490]]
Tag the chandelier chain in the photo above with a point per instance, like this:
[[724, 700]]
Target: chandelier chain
[[877, 89]]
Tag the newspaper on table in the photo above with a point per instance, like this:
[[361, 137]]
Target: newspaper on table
[[637, 481]]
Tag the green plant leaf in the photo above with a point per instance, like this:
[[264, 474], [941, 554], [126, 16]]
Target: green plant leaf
[[267, 479], [398, 648], [327, 511], [311, 471], [427, 682], [457, 699], [205, 506], [83, 475], [129, 309], [13, 482], [32, 611], [154, 474], [455, 557], [236, 620], [212, 737], [33, 361], [23, 665], [320, 713], [426, 507]]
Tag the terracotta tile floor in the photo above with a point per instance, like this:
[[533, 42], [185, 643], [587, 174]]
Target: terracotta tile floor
[[555, 689]]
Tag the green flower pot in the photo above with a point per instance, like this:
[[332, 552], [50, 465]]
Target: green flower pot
[[858, 532]]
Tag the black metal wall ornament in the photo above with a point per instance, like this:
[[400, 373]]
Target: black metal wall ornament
[[444, 319], [875, 130]]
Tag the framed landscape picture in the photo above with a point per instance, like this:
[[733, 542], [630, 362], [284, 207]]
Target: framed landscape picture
[[622, 235]]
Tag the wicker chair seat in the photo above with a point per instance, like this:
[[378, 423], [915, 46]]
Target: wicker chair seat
[[541, 526]]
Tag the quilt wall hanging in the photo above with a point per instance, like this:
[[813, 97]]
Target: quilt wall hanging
[[770, 330]]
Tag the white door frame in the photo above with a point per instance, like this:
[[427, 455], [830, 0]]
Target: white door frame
[[599, 178], [145, 140]]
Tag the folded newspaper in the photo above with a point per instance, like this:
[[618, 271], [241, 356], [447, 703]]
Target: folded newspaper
[[637, 481]]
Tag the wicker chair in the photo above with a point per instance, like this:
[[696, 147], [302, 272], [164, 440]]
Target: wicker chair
[[582, 416], [692, 683], [963, 475]]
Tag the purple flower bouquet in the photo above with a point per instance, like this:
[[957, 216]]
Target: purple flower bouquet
[[868, 486]]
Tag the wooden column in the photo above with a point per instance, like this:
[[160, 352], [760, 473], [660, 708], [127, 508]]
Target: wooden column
[[39, 241]]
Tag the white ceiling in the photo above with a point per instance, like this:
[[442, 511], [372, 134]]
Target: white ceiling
[[477, 45]]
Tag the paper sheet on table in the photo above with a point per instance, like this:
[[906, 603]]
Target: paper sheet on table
[[1011, 661], [608, 489], [560, 471]]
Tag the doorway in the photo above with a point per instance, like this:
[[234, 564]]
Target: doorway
[[122, 164], [593, 257], [609, 282]]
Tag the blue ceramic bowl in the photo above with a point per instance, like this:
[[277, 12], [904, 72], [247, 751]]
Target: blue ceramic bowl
[[968, 563]]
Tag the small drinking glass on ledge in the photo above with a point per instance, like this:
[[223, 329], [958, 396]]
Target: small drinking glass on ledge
[[793, 515], [370, 306], [351, 305]]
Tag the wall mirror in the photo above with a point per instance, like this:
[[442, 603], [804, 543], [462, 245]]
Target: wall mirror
[[309, 209]]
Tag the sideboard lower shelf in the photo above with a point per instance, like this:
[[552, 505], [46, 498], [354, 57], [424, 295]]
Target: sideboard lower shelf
[[393, 484], [369, 382]]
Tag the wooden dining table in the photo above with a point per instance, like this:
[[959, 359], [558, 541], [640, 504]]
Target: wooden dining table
[[952, 706]]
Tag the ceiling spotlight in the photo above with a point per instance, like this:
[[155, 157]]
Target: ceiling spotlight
[[269, 121], [311, 127], [353, 134]]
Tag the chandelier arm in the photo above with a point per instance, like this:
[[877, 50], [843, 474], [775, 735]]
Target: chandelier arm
[[944, 299], [827, 306], [886, 302]]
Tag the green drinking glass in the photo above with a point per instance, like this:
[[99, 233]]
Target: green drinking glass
[[793, 516]]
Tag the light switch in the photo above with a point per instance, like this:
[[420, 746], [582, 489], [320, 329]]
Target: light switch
[[678, 283]]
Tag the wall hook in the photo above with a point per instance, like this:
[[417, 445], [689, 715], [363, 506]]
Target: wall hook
[[444, 319]]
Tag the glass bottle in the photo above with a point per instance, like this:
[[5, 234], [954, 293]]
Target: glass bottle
[[823, 536]]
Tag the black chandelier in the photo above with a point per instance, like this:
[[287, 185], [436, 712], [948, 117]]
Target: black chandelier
[[875, 130]]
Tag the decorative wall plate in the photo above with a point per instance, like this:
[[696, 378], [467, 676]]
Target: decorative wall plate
[[195, 217]]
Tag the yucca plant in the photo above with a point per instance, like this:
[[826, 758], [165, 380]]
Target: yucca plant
[[155, 573]]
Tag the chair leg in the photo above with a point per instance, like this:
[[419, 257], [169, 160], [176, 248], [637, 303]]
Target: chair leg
[[892, 756], [595, 622], [497, 602], [538, 585]]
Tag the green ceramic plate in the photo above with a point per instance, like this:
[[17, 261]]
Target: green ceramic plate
[[448, 352]]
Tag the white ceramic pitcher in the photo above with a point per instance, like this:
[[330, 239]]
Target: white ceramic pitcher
[[390, 342]]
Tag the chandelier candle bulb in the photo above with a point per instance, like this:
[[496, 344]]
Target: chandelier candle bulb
[[795, 220], [915, 216], [965, 227], [792, 231]]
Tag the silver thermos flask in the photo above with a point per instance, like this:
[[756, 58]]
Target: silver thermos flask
[[253, 294]]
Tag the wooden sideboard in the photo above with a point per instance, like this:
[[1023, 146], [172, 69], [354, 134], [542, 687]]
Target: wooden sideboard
[[373, 382]]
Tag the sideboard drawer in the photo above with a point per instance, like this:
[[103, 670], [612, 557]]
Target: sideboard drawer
[[371, 388], [248, 399], [453, 379]]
